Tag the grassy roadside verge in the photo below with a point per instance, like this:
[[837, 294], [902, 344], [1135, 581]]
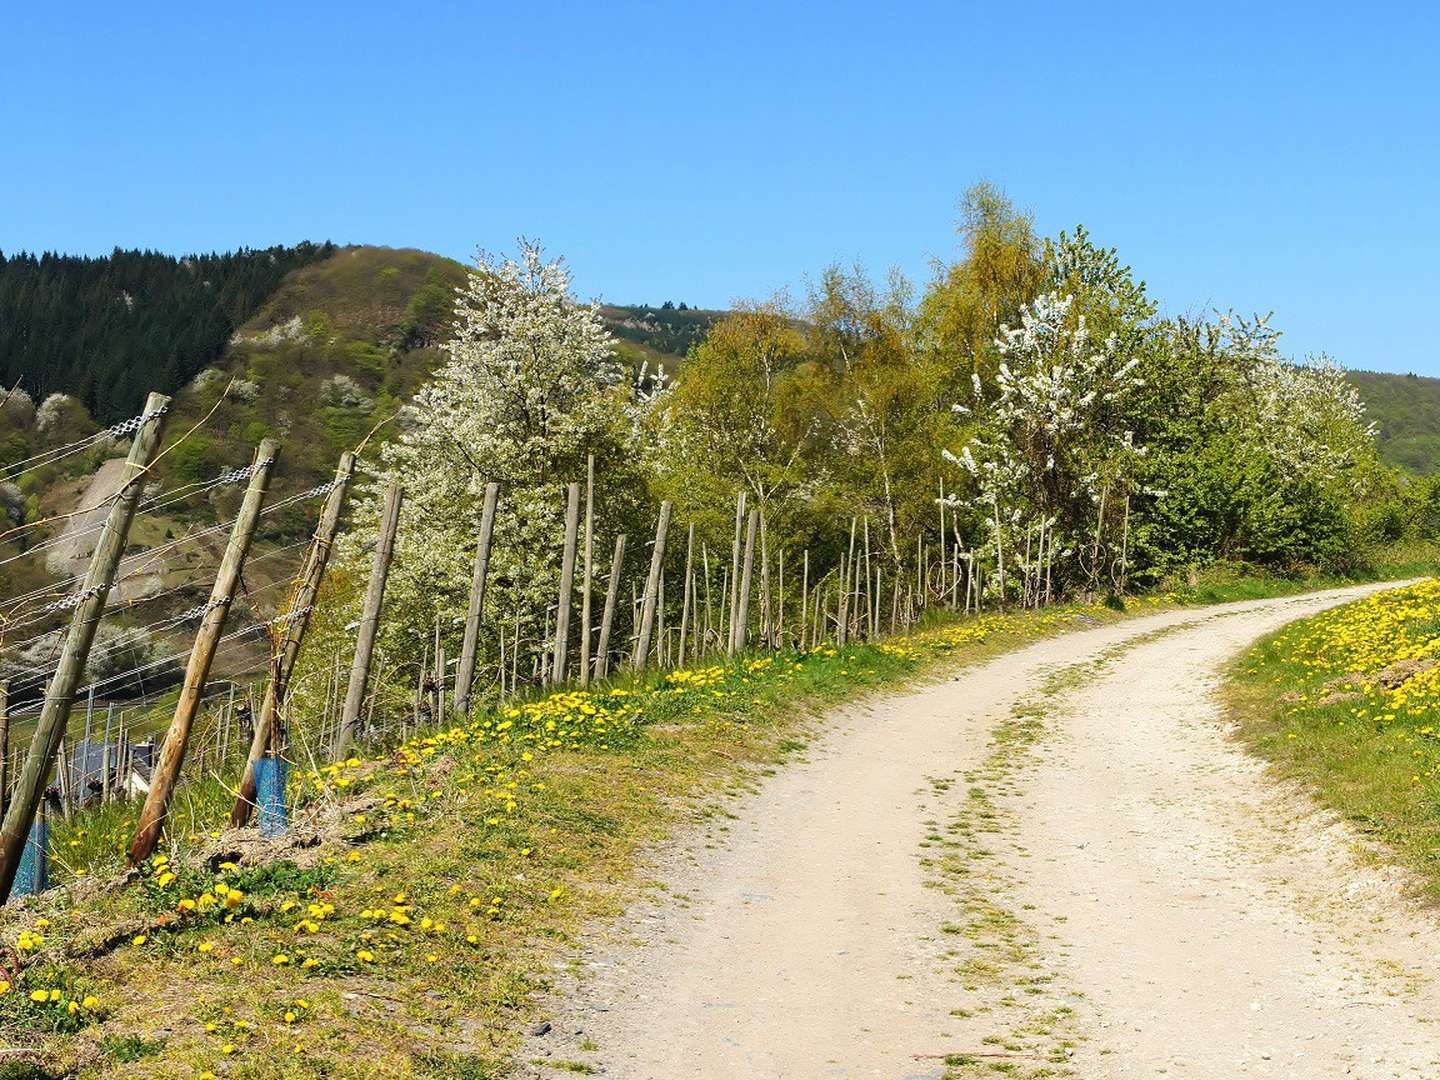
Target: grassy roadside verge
[[1348, 703], [405, 927]]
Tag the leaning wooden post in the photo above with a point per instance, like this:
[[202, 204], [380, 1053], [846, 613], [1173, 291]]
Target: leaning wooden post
[[267, 725], [202, 654], [686, 589], [567, 584], [607, 620], [734, 589], [60, 695], [652, 588], [704, 638], [587, 576], [465, 673], [369, 623], [742, 615]]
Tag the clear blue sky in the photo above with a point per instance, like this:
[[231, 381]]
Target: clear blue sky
[[1280, 156]]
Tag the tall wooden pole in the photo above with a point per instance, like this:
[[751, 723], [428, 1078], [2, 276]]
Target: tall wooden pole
[[202, 654], [742, 614], [465, 674], [705, 564], [567, 584], [369, 622], [804, 598], [587, 576], [607, 620], [869, 582], [766, 615], [843, 605], [267, 724], [652, 588], [687, 605], [60, 695], [734, 589]]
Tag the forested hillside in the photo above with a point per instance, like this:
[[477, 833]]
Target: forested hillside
[[109, 330], [1406, 411]]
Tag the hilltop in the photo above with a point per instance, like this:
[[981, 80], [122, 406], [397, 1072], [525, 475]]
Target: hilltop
[[1406, 410]]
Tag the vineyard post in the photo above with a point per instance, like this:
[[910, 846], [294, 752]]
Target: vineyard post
[[465, 675], [107, 759], [941, 504], [63, 779], [685, 604], [766, 615], [267, 725], [705, 568], [842, 614], [869, 581], [780, 603], [60, 695], [607, 620], [202, 654], [567, 583], [369, 622], [742, 611], [805, 599], [587, 575], [652, 589], [734, 585]]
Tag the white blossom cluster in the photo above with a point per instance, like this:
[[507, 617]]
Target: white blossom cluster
[[531, 385]]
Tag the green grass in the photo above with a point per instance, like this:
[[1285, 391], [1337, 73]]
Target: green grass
[[1306, 699]]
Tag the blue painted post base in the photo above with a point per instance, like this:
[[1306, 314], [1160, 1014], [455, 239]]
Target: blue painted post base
[[271, 773], [33, 875]]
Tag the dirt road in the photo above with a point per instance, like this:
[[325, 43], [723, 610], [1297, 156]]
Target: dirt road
[[1057, 863]]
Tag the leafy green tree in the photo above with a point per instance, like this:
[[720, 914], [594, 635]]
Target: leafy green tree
[[1001, 271], [744, 413]]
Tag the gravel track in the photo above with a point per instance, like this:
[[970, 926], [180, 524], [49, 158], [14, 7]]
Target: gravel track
[[1139, 898]]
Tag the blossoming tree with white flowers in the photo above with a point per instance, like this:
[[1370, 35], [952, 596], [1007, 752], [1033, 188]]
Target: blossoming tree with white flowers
[[531, 386]]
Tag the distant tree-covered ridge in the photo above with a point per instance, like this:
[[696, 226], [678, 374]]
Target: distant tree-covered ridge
[[108, 330]]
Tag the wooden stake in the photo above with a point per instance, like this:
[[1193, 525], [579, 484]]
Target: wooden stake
[[586, 587], [685, 603], [60, 694], [805, 599], [734, 590], [202, 653], [567, 583], [766, 627], [742, 614], [652, 588], [369, 623], [705, 639], [842, 615], [780, 604], [465, 674], [267, 725], [869, 592], [607, 620]]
